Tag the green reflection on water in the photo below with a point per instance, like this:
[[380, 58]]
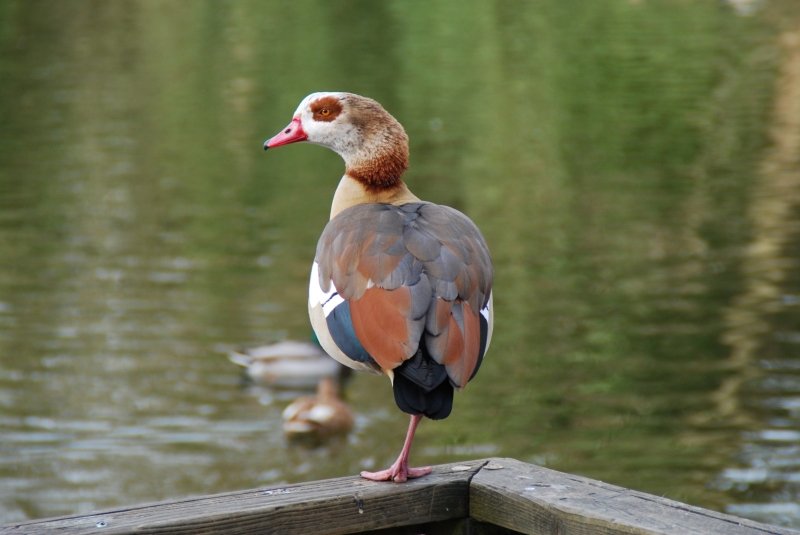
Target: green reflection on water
[[607, 149]]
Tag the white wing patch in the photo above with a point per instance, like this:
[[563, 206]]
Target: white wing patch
[[321, 413], [316, 296], [330, 304], [488, 314], [318, 302]]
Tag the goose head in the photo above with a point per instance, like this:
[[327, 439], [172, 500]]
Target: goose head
[[372, 143]]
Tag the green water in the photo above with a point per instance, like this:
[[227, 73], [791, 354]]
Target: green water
[[610, 150]]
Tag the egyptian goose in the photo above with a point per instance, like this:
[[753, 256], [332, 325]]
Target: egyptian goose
[[287, 364], [399, 286], [318, 416]]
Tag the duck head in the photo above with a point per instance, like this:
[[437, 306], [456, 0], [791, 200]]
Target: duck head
[[372, 143]]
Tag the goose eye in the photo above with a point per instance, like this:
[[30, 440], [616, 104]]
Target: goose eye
[[324, 112]]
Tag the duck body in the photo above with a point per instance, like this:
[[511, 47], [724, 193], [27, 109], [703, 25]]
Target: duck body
[[399, 286], [318, 416], [287, 364]]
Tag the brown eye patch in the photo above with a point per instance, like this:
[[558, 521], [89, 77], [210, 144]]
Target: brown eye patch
[[326, 109]]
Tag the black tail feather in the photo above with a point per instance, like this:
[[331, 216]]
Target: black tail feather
[[421, 386], [436, 404]]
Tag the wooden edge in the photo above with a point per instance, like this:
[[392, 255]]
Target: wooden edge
[[333, 506], [502, 492], [535, 500]]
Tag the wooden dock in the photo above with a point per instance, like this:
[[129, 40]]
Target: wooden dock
[[484, 497]]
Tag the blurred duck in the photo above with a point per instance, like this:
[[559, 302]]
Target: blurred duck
[[287, 364], [318, 416]]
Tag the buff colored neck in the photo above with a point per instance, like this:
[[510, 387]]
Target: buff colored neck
[[351, 192]]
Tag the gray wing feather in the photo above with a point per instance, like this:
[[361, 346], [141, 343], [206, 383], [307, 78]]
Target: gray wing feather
[[407, 240], [435, 251]]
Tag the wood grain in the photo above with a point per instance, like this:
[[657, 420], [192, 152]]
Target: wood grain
[[485, 497], [334, 506], [538, 501]]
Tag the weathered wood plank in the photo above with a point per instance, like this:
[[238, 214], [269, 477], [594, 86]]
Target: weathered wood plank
[[486, 497], [334, 506], [538, 501]]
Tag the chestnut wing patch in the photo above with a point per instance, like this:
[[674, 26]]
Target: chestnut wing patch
[[414, 279], [340, 325]]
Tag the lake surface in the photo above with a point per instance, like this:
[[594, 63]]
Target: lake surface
[[632, 164]]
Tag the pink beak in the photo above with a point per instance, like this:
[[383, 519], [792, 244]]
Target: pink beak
[[291, 134]]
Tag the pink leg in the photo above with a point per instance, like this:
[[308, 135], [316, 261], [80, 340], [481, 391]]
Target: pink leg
[[400, 471]]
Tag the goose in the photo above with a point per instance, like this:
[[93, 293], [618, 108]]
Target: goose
[[399, 287]]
